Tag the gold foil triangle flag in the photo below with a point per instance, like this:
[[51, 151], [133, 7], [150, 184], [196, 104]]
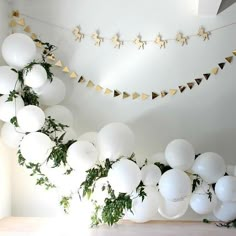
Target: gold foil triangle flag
[[125, 95], [90, 84], [98, 88], [221, 65], [12, 23], [27, 29], [182, 88], [66, 69], [163, 94], [73, 75], [51, 57], [198, 81], [173, 91], [34, 36], [207, 75], [154, 95], [215, 70], [81, 79], [116, 93], [234, 52], [58, 63], [21, 22], [16, 13], [108, 91], [144, 96], [229, 59], [190, 85], [135, 95]]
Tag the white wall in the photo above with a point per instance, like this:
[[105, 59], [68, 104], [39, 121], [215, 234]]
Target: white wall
[[205, 116]]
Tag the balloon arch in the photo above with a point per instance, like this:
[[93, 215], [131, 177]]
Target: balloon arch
[[101, 165]]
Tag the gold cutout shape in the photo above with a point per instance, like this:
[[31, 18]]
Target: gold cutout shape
[[234, 52], [21, 22], [34, 36], [81, 79], [215, 70], [51, 57], [198, 81], [116, 93], [99, 88], [98, 40], [38, 44], [125, 95], [163, 94], [27, 29], [90, 84], [159, 41], [182, 88], [73, 75], [116, 41], [202, 33], [108, 91], [183, 40], [135, 95], [12, 23], [66, 69], [78, 35], [173, 91], [190, 85], [16, 13], [139, 43], [229, 59], [221, 65], [206, 76], [154, 95], [58, 63], [144, 96]]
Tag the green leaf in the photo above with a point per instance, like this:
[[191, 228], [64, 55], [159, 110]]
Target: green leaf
[[14, 121]]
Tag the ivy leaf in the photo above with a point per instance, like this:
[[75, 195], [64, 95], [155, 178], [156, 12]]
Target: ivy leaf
[[12, 95], [14, 121]]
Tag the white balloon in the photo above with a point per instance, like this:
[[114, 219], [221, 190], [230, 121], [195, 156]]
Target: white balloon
[[11, 136], [18, 50], [90, 137], [225, 211], [61, 114], [36, 77], [70, 134], [226, 189], [172, 210], [151, 175], [36, 147], [180, 154], [82, 155], [30, 118], [175, 185], [210, 166], [8, 80], [124, 176], [157, 157], [52, 93], [200, 201], [10, 109], [115, 140], [145, 210]]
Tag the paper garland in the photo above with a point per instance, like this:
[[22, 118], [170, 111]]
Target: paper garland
[[140, 44]]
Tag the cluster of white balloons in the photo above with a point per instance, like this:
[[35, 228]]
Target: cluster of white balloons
[[168, 194]]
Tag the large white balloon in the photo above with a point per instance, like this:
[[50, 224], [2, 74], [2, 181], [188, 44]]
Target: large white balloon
[[225, 211], [8, 80], [11, 135], [143, 211], [61, 114], [30, 118], [18, 50], [36, 147], [10, 109], [200, 200], [90, 137], [175, 185], [172, 210], [151, 175], [226, 188], [115, 140], [36, 77], [157, 157], [180, 154], [52, 93], [82, 155], [124, 176], [210, 166]]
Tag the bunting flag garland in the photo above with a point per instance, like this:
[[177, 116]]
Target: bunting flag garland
[[116, 93]]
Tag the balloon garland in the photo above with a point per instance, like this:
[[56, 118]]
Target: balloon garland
[[103, 164]]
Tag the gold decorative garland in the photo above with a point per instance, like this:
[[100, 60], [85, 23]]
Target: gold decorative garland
[[115, 92]]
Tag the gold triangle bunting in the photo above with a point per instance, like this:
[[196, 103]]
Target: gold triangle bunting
[[125, 95], [163, 94], [107, 91], [73, 75], [34, 36], [215, 70], [154, 95], [221, 65], [90, 84], [38, 45], [116, 93], [229, 59], [66, 69], [173, 91], [198, 81], [12, 23], [51, 57], [58, 63], [27, 29], [234, 52], [190, 84], [16, 13], [21, 22], [144, 96], [206, 76], [135, 95], [182, 88], [81, 79], [98, 88]]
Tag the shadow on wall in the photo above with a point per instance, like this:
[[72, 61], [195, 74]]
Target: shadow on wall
[[225, 4]]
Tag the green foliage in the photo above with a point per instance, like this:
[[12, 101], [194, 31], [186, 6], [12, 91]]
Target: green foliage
[[29, 96], [230, 224], [206, 221], [12, 96], [162, 167], [140, 191], [44, 181], [14, 121], [65, 203], [196, 182], [21, 159], [95, 219]]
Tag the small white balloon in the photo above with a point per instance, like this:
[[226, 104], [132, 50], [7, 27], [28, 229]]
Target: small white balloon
[[210, 166], [226, 189], [10, 109], [8, 80], [11, 135], [18, 50], [151, 175], [115, 140], [52, 93], [36, 147], [90, 137], [30, 118], [175, 185], [82, 155], [201, 202], [157, 157], [225, 211], [180, 154], [61, 114], [143, 211], [124, 176], [172, 210]]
